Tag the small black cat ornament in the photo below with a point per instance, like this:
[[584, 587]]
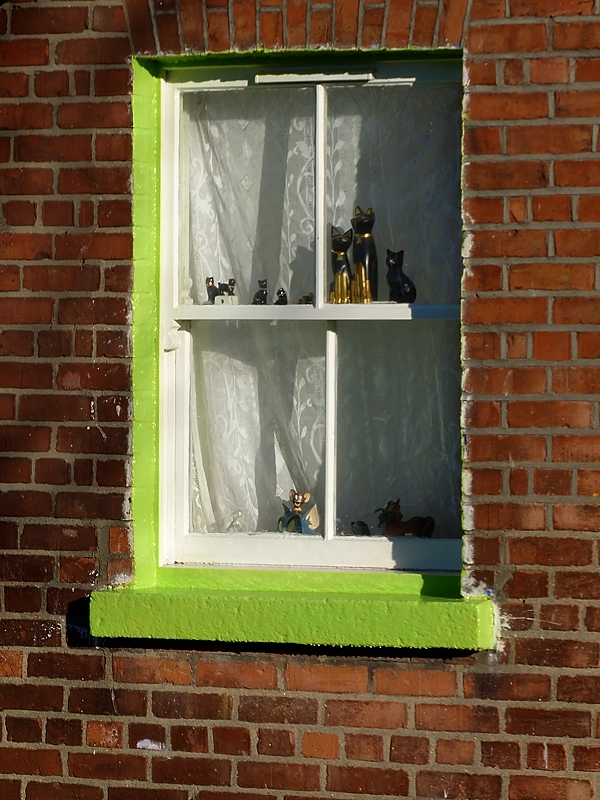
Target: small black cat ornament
[[340, 264], [402, 289]]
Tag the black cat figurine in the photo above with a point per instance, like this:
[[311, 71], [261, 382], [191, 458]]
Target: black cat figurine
[[363, 250], [260, 298], [223, 289], [211, 290], [402, 289], [340, 264], [281, 297]]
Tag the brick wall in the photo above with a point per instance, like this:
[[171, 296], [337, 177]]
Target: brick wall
[[174, 723]]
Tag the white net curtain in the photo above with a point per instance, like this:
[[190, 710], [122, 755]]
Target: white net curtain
[[258, 396]]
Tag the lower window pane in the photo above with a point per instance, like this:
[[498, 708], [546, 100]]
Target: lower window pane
[[257, 422], [398, 423]]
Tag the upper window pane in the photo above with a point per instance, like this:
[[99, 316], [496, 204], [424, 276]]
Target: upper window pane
[[252, 189]]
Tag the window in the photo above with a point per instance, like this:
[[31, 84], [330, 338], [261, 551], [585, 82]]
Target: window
[[194, 578], [356, 403]]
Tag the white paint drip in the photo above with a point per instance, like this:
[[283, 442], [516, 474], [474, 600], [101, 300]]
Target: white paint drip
[[148, 744]]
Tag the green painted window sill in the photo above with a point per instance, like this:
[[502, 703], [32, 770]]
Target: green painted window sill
[[314, 608]]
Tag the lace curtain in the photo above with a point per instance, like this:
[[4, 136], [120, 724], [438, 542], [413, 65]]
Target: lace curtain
[[257, 404]]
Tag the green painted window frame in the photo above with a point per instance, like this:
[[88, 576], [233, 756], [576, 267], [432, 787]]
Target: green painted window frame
[[389, 609]]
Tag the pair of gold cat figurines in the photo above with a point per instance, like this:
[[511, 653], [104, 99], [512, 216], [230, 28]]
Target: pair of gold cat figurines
[[360, 287]]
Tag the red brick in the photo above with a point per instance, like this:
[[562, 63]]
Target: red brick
[[89, 50], [321, 745], [276, 742], [513, 72], [26, 504], [109, 702], [48, 20], [509, 243], [506, 38], [282, 710], [94, 115], [104, 734], [455, 786], [549, 70], [236, 674], [78, 569], [140, 24], [576, 517], [437, 717], [397, 28], [517, 209], [63, 731], [502, 755], [577, 243], [112, 82], [26, 116], [551, 345], [579, 585], [188, 705], [514, 380], [499, 311], [545, 722], [483, 141], [270, 29], [546, 756], [189, 739], [143, 736], [423, 26], [367, 780], [24, 439], [524, 787], [94, 180], [415, 682], [483, 209], [23, 729], [550, 551], [55, 407], [452, 22], [481, 415], [109, 18], [35, 634], [26, 568], [105, 766], [575, 380], [365, 714], [93, 246], [507, 106], [113, 147], [54, 471], [543, 138], [364, 747], [409, 749], [65, 667], [558, 653], [62, 791], [454, 751], [527, 583], [132, 793], [550, 208], [30, 762], [482, 176], [550, 8], [15, 470], [325, 678], [578, 688], [490, 686], [114, 213], [480, 73], [231, 741], [57, 212], [53, 148], [506, 448], [551, 482], [588, 482], [192, 771], [24, 52], [19, 212], [481, 346], [88, 505], [22, 599], [73, 377], [152, 670]]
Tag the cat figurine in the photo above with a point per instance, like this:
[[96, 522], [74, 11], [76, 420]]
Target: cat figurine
[[363, 249], [223, 289], [260, 297], [402, 289], [211, 290], [340, 264], [281, 297]]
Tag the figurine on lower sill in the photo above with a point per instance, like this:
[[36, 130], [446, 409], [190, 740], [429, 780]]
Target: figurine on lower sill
[[296, 519], [211, 290], [225, 294], [307, 300], [260, 297], [281, 297], [392, 524]]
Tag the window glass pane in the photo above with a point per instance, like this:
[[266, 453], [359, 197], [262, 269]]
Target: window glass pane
[[251, 189], [397, 150], [257, 421], [398, 413]]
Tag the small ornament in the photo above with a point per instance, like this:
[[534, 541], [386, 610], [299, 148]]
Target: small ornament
[[211, 290], [391, 524], [360, 528], [307, 300], [295, 519], [339, 291], [402, 289], [281, 298], [260, 298], [225, 294]]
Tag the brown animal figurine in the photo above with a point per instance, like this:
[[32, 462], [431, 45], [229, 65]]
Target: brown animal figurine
[[392, 524]]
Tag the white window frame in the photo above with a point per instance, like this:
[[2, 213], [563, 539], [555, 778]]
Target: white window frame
[[177, 546]]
